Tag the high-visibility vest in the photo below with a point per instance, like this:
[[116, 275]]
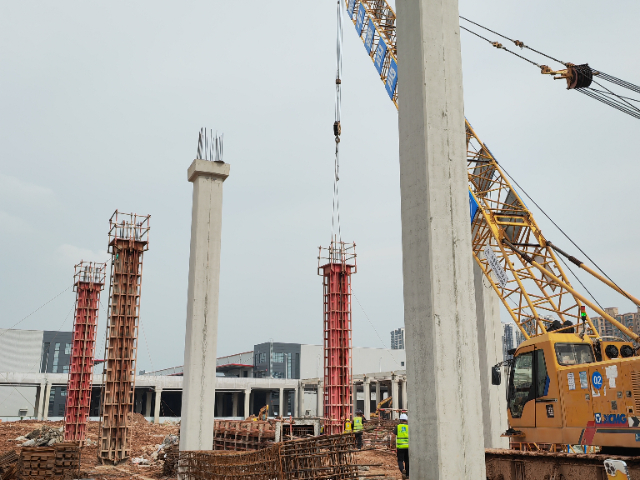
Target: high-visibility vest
[[357, 424], [347, 426], [402, 438]]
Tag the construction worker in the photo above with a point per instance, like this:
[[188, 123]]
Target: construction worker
[[358, 426], [402, 445], [347, 425]]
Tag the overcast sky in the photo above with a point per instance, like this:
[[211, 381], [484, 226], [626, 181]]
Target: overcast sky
[[100, 107]]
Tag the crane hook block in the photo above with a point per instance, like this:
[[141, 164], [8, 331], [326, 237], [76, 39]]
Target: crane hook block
[[577, 76], [337, 129]]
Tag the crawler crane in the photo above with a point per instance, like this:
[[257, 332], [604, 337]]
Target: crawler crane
[[567, 384]]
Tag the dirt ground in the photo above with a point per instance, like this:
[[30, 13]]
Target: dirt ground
[[146, 438]]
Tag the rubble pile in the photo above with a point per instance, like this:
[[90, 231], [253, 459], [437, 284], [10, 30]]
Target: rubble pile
[[43, 436], [171, 455]]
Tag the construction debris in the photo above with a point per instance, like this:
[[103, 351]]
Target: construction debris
[[43, 436]]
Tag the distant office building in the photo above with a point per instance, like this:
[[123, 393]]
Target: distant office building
[[630, 320], [397, 339], [511, 338], [33, 351]]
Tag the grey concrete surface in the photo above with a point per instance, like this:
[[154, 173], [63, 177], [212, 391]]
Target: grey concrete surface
[[494, 403], [445, 414], [201, 337]]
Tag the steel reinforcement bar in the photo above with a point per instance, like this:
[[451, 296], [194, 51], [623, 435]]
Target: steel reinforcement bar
[[324, 457]]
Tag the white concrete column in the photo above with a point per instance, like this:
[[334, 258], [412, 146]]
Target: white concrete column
[[320, 400], [45, 403], [354, 398], [394, 393], [201, 338], [247, 404], [281, 403], [300, 398], [366, 387], [234, 406], [147, 411], [404, 393], [251, 400], [40, 402], [156, 407], [378, 396], [445, 414], [494, 403]]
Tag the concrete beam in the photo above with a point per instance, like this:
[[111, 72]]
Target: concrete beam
[[445, 415], [201, 337]]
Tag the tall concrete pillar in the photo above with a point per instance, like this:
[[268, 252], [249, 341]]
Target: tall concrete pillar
[[378, 396], [40, 402], [147, 411], [201, 338], [404, 394], [247, 404], [156, 407], [366, 387], [445, 414], [494, 403], [234, 407], [281, 409], [394, 393], [320, 400], [251, 400], [45, 403]]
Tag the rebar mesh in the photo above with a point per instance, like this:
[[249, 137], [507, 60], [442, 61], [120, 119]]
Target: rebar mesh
[[324, 457]]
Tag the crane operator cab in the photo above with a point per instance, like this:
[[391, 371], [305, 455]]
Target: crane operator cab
[[566, 388]]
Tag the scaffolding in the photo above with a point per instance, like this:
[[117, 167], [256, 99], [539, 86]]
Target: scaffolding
[[88, 282], [336, 264], [128, 240]]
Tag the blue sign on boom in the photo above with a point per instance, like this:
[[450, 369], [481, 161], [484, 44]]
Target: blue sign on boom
[[360, 18], [351, 6], [368, 40], [381, 52], [392, 78]]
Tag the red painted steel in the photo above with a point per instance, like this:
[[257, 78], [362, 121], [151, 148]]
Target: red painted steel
[[88, 283], [128, 239], [336, 272]]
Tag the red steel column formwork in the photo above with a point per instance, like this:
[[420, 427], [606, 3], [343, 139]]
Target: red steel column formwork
[[128, 239], [340, 264], [88, 283]]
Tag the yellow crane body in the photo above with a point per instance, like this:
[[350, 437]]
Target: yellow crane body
[[560, 393]]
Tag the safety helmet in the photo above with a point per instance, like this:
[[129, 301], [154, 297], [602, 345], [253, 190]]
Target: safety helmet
[[403, 416]]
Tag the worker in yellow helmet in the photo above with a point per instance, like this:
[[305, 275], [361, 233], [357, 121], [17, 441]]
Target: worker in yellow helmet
[[347, 425], [402, 445], [358, 427]]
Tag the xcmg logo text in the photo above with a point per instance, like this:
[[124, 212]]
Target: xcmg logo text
[[613, 419]]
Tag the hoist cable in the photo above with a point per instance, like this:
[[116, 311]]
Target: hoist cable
[[619, 82], [335, 218], [516, 42], [500, 46], [608, 101]]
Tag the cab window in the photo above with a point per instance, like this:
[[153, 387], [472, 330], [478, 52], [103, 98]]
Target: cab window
[[527, 381], [573, 353]]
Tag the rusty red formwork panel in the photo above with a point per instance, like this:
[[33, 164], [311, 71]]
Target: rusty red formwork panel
[[88, 283], [336, 264], [128, 240]]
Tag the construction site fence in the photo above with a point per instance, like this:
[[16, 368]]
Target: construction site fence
[[324, 457]]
